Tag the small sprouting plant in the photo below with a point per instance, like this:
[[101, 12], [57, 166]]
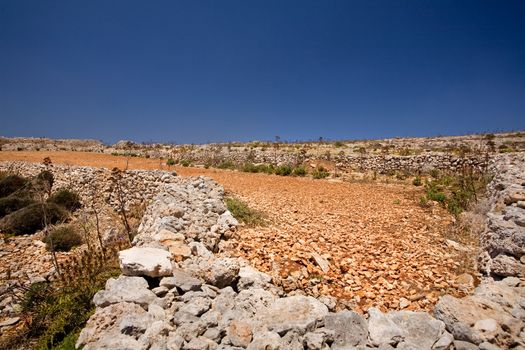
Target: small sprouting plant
[[417, 181]]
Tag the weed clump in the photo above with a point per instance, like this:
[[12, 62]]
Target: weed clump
[[417, 181], [62, 238], [456, 191], [243, 213]]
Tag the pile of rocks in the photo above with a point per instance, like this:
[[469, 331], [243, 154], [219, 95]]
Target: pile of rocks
[[503, 242], [175, 293]]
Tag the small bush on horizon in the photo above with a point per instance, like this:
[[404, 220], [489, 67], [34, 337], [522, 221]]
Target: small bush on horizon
[[185, 162], [320, 173], [228, 164], [299, 171], [283, 170]]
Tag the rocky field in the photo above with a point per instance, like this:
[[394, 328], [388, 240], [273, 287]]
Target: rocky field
[[337, 264]]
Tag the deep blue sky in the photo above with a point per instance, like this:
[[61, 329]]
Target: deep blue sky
[[198, 71]]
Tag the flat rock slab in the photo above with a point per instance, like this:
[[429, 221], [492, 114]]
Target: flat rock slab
[[299, 313], [151, 262], [125, 289]]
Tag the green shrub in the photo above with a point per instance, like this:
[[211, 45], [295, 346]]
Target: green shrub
[[170, 162], [243, 213], [250, 168], [11, 204], [299, 171], [68, 199], [30, 219], [283, 170], [456, 191], [12, 183], [44, 181], [62, 238], [320, 173], [417, 181], [228, 164], [338, 144], [266, 168], [185, 162]]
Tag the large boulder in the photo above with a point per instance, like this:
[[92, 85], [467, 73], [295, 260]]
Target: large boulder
[[151, 262]]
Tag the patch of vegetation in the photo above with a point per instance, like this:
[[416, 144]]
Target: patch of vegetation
[[11, 204], [243, 213], [320, 173], [67, 199], [58, 311], [170, 162], [30, 219], [185, 162], [62, 238], [250, 168], [283, 170], [338, 144], [456, 191], [12, 183], [299, 171], [228, 164]]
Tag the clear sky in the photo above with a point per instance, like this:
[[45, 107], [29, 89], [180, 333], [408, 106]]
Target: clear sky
[[200, 71]]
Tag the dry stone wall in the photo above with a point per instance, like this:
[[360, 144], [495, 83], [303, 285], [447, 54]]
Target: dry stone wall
[[138, 186], [503, 241], [379, 163]]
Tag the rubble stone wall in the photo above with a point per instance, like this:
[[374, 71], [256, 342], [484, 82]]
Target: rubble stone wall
[[138, 186]]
